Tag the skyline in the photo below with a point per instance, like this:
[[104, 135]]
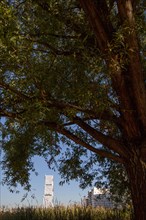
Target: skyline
[[66, 194]]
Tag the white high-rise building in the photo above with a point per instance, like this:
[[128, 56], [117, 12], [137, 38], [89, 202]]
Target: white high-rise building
[[48, 191]]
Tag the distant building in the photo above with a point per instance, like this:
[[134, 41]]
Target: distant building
[[48, 191], [97, 198]]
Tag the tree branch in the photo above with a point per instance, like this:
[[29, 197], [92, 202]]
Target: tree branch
[[14, 115], [14, 90], [77, 140], [105, 115], [107, 141], [54, 35], [125, 8], [93, 14], [53, 49]]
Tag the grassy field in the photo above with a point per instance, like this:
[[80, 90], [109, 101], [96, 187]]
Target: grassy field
[[64, 213]]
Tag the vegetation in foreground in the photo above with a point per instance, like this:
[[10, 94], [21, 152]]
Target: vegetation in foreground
[[64, 213]]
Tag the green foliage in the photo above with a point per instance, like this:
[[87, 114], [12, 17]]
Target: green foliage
[[41, 68]]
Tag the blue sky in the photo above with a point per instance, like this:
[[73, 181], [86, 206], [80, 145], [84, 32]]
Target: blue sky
[[65, 194]]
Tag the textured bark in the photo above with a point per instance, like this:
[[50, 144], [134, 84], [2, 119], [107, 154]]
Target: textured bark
[[136, 74], [94, 17], [136, 170]]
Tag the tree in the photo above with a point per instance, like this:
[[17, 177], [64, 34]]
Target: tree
[[74, 71]]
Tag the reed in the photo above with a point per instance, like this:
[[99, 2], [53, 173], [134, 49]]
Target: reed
[[73, 212]]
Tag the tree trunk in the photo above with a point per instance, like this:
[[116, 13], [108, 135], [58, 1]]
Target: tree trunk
[[136, 170]]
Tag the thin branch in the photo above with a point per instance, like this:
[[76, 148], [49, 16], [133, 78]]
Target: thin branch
[[53, 49], [19, 4], [62, 105], [84, 119], [14, 115], [54, 35], [14, 90]]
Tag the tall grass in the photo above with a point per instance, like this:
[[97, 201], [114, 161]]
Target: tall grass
[[64, 213]]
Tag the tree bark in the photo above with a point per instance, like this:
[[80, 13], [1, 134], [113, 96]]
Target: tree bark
[[136, 170]]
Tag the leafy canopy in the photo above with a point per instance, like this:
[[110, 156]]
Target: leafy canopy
[[56, 87]]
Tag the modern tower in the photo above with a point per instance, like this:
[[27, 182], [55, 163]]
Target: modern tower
[[48, 191]]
